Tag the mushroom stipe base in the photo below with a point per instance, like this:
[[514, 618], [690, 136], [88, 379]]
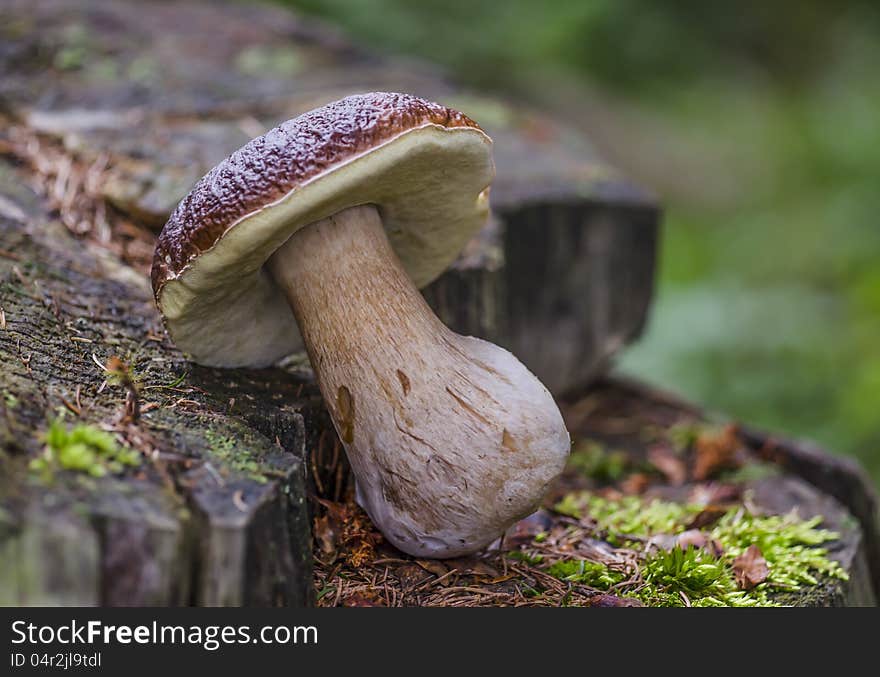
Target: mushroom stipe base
[[451, 439]]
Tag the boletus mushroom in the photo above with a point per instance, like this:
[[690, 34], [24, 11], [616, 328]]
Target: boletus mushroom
[[320, 233]]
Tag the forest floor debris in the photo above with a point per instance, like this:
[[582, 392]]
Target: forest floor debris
[[687, 533]]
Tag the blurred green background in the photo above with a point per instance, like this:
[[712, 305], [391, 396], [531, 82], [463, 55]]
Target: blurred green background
[[758, 125]]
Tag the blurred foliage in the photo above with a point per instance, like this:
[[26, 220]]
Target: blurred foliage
[[763, 121]]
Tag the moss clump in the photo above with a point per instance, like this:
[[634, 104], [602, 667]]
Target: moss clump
[[673, 576], [684, 435], [629, 516], [233, 456], [591, 459], [693, 577], [594, 574], [526, 557], [82, 448], [790, 546]]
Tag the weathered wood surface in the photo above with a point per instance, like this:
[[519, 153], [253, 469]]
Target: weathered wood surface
[[196, 523], [110, 111], [620, 413], [839, 477]]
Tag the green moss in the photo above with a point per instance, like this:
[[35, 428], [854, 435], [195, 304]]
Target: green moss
[[683, 435], [792, 548], [751, 472], [594, 574], [692, 577], [526, 557], [630, 516], [82, 448], [591, 459], [10, 400], [75, 48], [230, 453], [529, 591]]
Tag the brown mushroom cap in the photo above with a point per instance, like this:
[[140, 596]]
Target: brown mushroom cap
[[426, 168]]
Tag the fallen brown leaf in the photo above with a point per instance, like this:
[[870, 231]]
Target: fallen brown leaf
[[472, 566], [669, 463], [326, 536], [750, 568], [635, 484], [691, 537], [699, 539], [707, 493], [502, 579], [614, 494], [436, 567], [716, 451], [707, 516]]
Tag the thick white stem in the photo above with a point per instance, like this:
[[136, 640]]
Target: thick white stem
[[451, 439]]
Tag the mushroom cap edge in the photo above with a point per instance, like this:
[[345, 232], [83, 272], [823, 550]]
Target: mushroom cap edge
[[426, 167]]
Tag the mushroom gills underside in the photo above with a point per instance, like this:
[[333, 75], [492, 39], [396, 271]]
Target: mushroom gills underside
[[430, 185]]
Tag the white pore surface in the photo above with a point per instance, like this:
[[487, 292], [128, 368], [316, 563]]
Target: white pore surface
[[430, 186]]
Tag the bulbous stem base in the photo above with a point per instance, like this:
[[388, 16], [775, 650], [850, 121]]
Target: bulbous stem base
[[451, 439]]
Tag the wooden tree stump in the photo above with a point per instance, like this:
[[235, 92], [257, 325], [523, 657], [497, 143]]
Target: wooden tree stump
[[782, 474], [109, 113], [215, 515]]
